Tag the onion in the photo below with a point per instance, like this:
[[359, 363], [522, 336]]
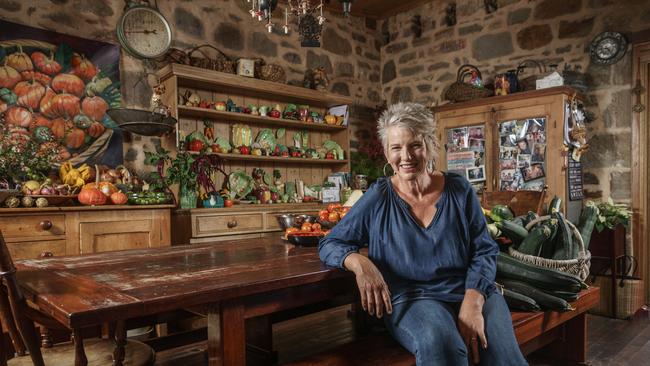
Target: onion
[[47, 191]]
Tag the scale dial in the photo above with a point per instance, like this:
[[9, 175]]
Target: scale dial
[[144, 32]]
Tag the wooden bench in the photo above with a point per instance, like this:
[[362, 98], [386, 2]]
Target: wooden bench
[[565, 334]]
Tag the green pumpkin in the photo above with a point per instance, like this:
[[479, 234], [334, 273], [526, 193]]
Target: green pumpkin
[[82, 121], [43, 134], [8, 96]]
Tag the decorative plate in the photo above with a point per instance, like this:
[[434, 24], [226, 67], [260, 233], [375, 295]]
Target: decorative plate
[[608, 48], [240, 184]]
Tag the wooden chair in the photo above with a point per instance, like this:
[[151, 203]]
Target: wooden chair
[[18, 318], [520, 202]]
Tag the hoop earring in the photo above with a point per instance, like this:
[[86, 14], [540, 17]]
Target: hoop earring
[[385, 166], [431, 167]]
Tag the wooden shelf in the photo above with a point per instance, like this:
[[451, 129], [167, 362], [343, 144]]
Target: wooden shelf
[[275, 159], [195, 112], [198, 78]]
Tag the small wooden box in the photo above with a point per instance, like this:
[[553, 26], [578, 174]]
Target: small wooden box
[[246, 67]]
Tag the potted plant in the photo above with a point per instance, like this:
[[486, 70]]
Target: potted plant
[[205, 166], [611, 214], [178, 172]]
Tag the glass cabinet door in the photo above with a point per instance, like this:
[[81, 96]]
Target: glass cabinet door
[[465, 153], [522, 154]]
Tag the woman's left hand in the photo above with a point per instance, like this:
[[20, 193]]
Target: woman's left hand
[[471, 324]]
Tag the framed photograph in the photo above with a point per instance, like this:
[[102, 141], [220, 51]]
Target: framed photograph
[[523, 161], [476, 132], [507, 128], [507, 140], [536, 185], [458, 137], [477, 144], [507, 186], [523, 146], [507, 164], [478, 158], [507, 153], [476, 174], [539, 153], [507, 175], [534, 171]]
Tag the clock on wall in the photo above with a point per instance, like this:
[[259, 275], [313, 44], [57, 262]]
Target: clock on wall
[[143, 31], [608, 48]]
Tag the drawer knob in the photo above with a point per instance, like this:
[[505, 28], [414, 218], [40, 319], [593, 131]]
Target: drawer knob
[[232, 223], [46, 255], [45, 225]]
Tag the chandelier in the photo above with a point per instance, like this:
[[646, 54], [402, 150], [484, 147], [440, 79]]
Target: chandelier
[[310, 17]]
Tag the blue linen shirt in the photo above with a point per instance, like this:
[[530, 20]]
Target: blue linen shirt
[[453, 253]]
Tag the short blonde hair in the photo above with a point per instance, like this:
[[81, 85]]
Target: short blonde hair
[[415, 117]]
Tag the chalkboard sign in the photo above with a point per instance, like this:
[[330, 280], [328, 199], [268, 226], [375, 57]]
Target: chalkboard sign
[[575, 180]]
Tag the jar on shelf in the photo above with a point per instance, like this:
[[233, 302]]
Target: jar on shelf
[[346, 192], [361, 182]]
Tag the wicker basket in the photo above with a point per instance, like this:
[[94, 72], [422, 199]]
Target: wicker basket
[[460, 91], [175, 56], [529, 82], [577, 267], [220, 63], [273, 72]]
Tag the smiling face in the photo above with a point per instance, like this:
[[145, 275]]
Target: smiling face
[[406, 153]]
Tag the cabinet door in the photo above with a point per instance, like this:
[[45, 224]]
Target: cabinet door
[[465, 147], [118, 235]]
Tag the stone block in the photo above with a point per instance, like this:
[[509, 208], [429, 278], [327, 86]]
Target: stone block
[[229, 36], [561, 50], [407, 57], [598, 76], [470, 29], [518, 16], [292, 58], [188, 23], [359, 37], [389, 72], [344, 69], [451, 46], [446, 77], [535, 36], [410, 71], [593, 195], [577, 29], [492, 46], [438, 66], [608, 150], [262, 45], [619, 112], [10, 5], [333, 42], [622, 71], [445, 33], [421, 41], [590, 178], [315, 60], [620, 185], [341, 88], [402, 94], [549, 9], [395, 47], [424, 88]]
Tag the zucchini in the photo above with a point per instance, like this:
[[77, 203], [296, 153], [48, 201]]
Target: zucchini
[[514, 232], [530, 216], [543, 278], [564, 248], [501, 212], [546, 301], [493, 230], [588, 218], [533, 242], [566, 295], [517, 301], [555, 205], [519, 220], [547, 248]]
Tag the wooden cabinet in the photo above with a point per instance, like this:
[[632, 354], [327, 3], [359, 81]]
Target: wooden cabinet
[[215, 86], [83, 230], [209, 224], [518, 139]]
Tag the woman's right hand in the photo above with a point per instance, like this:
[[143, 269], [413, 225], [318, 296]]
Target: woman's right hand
[[375, 296]]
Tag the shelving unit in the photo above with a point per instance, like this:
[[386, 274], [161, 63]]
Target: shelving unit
[[216, 86]]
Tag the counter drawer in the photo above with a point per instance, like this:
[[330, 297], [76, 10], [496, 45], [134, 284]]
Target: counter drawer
[[33, 249], [206, 225], [32, 226]]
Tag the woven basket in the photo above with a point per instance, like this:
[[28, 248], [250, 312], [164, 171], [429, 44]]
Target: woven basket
[[529, 82], [175, 56], [273, 72], [577, 267], [220, 63], [460, 91]]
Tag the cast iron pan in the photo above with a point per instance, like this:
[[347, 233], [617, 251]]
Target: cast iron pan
[[304, 240]]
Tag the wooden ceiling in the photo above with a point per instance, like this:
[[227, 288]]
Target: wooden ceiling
[[377, 9]]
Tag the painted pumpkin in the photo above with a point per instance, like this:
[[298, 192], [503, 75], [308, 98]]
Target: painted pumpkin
[[45, 105], [82, 121], [39, 121], [43, 134], [94, 107], [8, 96], [29, 94], [106, 188], [118, 198], [91, 197], [61, 105], [74, 139], [97, 85], [20, 60], [18, 116], [68, 83], [46, 64], [96, 129], [3, 107], [9, 76], [38, 76], [60, 127], [83, 67]]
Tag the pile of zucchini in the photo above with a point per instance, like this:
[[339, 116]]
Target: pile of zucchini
[[532, 288]]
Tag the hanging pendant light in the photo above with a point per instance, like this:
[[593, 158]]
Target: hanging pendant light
[[347, 7]]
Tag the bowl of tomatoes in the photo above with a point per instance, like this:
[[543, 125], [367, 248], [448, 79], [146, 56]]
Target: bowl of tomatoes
[[306, 235], [332, 215]]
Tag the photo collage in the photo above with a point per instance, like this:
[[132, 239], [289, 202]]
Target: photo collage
[[465, 148], [522, 152]]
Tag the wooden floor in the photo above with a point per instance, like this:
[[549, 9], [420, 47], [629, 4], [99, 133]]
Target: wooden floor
[[612, 342]]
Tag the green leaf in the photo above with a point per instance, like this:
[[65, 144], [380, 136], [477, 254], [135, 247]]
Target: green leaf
[[63, 56]]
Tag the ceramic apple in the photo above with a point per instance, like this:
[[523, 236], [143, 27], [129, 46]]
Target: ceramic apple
[[220, 106]]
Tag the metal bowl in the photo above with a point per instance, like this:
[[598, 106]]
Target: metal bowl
[[286, 221], [302, 218]]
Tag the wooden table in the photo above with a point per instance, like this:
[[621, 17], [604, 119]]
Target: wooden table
[[235, 281]]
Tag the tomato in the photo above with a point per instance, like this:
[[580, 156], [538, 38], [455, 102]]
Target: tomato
[[291, 230], [345, 208], [306, 227], [195, 145], [315, 227], [227, 203], [333, 207], [323, 215], [333, 217], [342, 214]]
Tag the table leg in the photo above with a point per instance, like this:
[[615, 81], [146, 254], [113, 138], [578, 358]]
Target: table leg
[[233, 333], [215, 350], [79, 353], [571, 348], [120, 343]]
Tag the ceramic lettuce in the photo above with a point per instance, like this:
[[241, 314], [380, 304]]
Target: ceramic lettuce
[[240, 184], [266, 139], [330, 145]]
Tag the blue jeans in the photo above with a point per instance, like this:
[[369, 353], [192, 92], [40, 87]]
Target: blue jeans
[[427, 328]]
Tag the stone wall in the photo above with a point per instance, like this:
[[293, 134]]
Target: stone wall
[[550, 31], [349, 52]]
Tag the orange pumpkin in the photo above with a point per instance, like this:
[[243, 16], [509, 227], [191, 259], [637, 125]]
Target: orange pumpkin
[[39, 121], [60, 127], [3, 107], [106, 188], [91, 197], [68, 83], [38, 76], [61, 105], [45, 105], [9, 76], [119, 198], [29, 94], [94, 107], [96, 129], [18, 116], [20, 60], [46, 64], [82, 67], [75, 138]]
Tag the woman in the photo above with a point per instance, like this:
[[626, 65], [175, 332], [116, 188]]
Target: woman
[[431, 263]]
